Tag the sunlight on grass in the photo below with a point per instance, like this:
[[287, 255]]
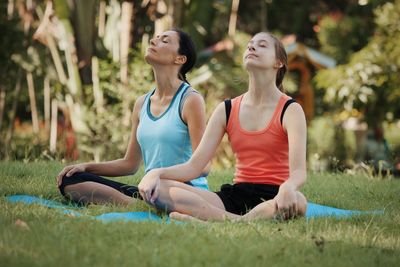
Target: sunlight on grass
[[52, 238]]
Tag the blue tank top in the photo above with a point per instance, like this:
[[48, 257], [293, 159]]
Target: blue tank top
[[164, 140]]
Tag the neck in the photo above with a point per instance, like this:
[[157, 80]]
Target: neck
[[167, 82], [262, 87]]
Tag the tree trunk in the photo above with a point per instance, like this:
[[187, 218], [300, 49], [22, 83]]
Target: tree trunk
[[43, 35], [29, 4], [233, 18], [32, 101], [10, 9], [177, 8], [164, 22], [17, 90], [2, 104], [126, 21], [97, 92], [56, 59], [83, 22], [53, 129], [73, 98], [46, 101], [111, 35], [102, 19], [263, 16], [67, 38]]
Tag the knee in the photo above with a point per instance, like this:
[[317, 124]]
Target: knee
[[67, 182], [169, 189], [165, 187], [167, 197]]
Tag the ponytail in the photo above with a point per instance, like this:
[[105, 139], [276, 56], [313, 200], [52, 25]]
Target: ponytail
[[188, 49], [182, 77]]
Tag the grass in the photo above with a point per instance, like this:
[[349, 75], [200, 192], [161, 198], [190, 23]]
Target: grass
[[54, 239]]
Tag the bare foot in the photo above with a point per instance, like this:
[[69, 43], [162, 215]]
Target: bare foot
[[263, 211], [184, 217]]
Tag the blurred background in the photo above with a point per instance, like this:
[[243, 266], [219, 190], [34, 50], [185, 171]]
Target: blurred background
[[71, 71]]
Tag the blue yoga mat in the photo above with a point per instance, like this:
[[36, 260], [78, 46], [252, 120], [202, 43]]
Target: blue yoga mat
[[316, 210], [135, 216], [313, 211]]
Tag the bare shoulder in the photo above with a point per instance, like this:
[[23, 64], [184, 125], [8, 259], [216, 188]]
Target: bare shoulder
[[194, 99], [294, 110], [139, 101], [220, 109], [193, 108], [294, 115], [138, 106], [219, 114]]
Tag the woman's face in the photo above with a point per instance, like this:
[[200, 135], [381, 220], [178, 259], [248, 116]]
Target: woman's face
[[260, 52], [163, 49]]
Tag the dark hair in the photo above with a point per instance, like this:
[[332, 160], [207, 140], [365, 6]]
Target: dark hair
[[280, 54], [188, 49]]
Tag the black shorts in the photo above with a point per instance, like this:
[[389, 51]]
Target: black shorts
[[242, 197], [76, 178]]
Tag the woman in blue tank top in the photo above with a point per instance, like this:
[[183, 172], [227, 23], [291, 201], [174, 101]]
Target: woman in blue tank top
[[167, 125]]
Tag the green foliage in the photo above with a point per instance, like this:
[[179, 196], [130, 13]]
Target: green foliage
[[110, 129], [11, 33], [370, 81], [229, 78], [199, 17], [341, 37], [329, 146]]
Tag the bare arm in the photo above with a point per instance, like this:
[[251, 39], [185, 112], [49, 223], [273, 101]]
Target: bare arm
[[191, 169], [124, 166], [287, 202], [130, 163], [194, 115], [205, 151], [295, 124]]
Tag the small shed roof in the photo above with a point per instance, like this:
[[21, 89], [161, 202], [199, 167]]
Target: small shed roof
[[318, 59]]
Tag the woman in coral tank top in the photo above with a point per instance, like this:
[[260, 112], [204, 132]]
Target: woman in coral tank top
[[267, 132]]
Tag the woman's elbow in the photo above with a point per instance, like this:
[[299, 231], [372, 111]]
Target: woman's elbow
[[206, 170]]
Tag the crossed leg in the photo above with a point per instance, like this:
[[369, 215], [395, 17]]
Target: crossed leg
[[268, 210], [189, 203], [185, 201], [92, 192]]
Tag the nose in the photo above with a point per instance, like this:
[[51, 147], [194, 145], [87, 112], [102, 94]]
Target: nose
[[153, 41], [250, 47]]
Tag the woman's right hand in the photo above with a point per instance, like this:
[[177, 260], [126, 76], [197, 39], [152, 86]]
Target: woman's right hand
[[149, 186], [69, 171]]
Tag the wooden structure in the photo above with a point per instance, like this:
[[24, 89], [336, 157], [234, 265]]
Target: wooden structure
[[302, 59]]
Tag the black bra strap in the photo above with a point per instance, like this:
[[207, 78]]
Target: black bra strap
[[290, 101], [228, 107]]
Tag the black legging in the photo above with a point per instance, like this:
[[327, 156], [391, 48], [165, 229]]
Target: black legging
[[76, 178]]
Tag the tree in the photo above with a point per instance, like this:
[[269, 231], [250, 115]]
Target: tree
[[370, 80]]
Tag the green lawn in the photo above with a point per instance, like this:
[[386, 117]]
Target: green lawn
[[54, 239]]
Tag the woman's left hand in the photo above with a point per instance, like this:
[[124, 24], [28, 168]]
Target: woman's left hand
[[149, 186], [286, 201]]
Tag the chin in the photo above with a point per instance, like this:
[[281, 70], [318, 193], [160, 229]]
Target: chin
[[249, 65], [148, 58]]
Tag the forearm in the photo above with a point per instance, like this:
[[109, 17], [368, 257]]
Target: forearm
[[296, 179], [182, 172], [119, 167]]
